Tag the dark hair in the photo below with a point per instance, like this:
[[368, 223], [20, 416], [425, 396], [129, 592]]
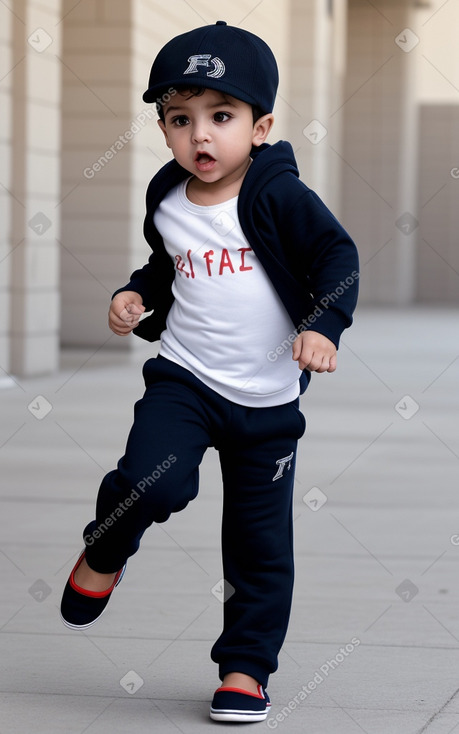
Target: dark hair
[[257, 112]]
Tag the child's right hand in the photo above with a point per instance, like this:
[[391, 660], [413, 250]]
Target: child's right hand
[[125, 311]]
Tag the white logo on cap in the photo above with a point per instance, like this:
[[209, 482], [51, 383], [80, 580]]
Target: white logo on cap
[[203, 60]]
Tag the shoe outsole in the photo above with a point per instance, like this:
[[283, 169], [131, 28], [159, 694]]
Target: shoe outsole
[[81, 627], [242, 716]]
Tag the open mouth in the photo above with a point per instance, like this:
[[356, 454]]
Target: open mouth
[[204, 161]]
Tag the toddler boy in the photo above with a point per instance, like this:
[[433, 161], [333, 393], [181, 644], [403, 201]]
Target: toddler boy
[[251, 282]]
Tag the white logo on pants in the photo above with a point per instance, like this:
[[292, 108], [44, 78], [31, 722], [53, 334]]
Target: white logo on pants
[[282, 463]]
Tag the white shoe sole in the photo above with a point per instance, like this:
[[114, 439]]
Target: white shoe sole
[[81, 626], [242, 716]]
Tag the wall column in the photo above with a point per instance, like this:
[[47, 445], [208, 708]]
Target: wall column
[[35, 193], [317, 60], [6, 45], [379, 155]]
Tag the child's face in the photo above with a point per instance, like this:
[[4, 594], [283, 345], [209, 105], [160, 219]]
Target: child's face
[[211, 135]]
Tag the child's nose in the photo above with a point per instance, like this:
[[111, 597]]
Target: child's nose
[[200, 133]]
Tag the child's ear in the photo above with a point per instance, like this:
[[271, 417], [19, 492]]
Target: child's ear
[[262, 128], [163, 128]]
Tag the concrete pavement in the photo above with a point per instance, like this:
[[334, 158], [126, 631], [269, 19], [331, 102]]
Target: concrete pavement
[[373, 644]]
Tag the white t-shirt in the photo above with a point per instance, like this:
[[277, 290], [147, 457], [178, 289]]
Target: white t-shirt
[[226, 317]]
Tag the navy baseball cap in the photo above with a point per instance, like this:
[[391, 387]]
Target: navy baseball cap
[[221, 57]]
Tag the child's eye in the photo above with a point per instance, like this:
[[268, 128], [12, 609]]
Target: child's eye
[[221, 117], [180, 121]]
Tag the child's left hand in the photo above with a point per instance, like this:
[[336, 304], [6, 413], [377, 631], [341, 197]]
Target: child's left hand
[[315, 352]]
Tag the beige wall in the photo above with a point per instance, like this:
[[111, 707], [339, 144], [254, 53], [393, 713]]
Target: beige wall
[[96, 181], [437, 78], [373, 125], [33, 215], [437, 84], [391, 169], [6, 56], [437, 266], [317, 67], [379, 150]]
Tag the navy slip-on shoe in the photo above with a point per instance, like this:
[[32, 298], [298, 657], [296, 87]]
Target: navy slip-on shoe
[[235, 704], [80, 608]]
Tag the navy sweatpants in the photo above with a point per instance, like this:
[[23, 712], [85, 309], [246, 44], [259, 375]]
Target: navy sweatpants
[[177, 419]]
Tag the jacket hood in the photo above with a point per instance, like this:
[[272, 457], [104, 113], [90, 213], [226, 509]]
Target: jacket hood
[[280, 159]]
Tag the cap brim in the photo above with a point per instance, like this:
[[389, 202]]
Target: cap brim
[[157, 91]]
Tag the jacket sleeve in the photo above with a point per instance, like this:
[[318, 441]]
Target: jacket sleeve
[[325, 259], [154, 280], [146, 281]]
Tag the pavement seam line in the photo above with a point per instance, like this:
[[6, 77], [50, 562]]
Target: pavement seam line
[[434, 716]]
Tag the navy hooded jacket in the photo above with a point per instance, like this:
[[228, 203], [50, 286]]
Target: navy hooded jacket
[[308, 256]]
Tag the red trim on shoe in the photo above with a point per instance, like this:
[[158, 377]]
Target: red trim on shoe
[[86, 592], [241, 690], [260, 691]]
